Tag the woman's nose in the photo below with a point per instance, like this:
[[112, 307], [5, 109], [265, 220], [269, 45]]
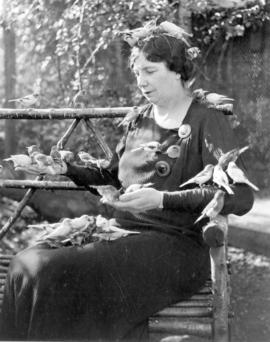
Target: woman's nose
[[141, 81]]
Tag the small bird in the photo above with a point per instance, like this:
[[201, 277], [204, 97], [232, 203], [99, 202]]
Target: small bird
[[202, 177], [28, 100], [20, 160], [135, 187], [151, 146], [65, 228], [214, 207], [66, 155], [238, 176], [174, 31], [231, 155], [80, 99], [213, 99], [32, 151], [130, 116], [221, 179], [42, 160], [56, 155], [108, 192], [133, 36], [87, 158]]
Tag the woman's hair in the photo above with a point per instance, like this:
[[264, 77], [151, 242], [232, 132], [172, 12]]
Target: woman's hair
[[165, 48]]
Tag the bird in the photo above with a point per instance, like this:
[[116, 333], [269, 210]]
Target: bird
[[213, 99], [66, 156], [231, 155], [28, 100], [214, 207], [108, 192], [151, 146], [42, 160], [133, 36], [130, 116], [56, 155], [202, 177], [20, 160], [80, 99], [174, 31], [238, 175], [86, 157], [65, 228], [105, 230], [135, 187], [221, 179], [32, 151]]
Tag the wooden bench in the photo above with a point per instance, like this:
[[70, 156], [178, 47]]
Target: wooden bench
[[206, 313]]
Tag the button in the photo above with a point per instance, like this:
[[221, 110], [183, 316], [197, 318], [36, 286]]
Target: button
[[162, 168], [173, 151], [184, 131]]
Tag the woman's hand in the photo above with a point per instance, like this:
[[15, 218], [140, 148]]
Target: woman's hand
[[139, 200]]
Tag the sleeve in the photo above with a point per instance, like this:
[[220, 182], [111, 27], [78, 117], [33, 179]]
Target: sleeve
[[216, 135], [87, 176]]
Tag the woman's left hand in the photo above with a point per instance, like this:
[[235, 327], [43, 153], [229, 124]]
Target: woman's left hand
[[140, 200]]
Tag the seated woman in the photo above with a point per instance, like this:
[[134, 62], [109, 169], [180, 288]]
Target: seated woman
[[107, 289]]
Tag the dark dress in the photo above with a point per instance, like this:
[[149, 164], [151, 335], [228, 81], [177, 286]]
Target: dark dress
[[106, 290]]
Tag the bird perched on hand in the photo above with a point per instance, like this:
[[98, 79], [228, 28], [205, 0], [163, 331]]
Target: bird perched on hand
[[202, 177], [221, 179], [20, 160], [108, 192], [87, 158], [238, 176], [214, 207], [28, 100], [231, 155], [135, 187]]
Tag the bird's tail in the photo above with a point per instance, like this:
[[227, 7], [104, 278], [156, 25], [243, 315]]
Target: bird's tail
[[243, 149], [199, 218], [253, 186], [228, 189], [14, 100], [186, 183]]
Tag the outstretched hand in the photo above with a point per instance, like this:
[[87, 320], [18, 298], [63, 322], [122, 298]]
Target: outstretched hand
[[139, 200]]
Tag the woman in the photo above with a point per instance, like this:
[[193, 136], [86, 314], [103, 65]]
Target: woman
[[106, 290]]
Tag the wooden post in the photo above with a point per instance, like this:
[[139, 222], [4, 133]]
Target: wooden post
[[219, 276]]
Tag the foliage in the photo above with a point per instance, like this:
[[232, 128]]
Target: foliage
[[212, 24]]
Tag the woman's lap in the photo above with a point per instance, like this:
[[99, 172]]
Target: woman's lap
[[102, 289]]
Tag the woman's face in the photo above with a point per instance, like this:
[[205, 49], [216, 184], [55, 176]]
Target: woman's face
[[157, 83]]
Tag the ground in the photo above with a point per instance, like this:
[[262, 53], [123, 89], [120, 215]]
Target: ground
[[250, 298]]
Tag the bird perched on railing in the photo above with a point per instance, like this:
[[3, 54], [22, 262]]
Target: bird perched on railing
[[28, 100], [20, 160], [202, 177], [238, 175], [221, 179], [214, 207], [56, 155]]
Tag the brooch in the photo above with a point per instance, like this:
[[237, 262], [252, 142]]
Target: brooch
[[162, 168], [173, 151], [184, 131]]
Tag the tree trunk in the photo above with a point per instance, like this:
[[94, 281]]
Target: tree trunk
[[10, 79]]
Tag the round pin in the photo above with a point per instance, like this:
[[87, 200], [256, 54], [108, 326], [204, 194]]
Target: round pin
[[184, 131], [173, 151], [162, 168]]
